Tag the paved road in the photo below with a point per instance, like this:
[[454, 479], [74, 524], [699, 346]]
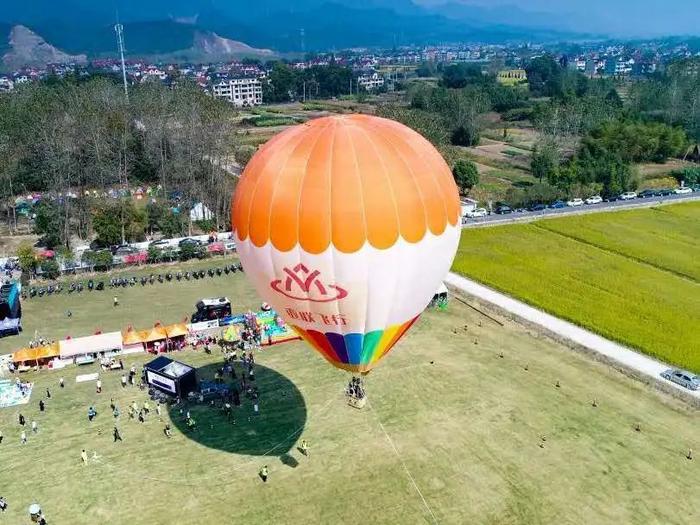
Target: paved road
[[526, 216], [614, 351]]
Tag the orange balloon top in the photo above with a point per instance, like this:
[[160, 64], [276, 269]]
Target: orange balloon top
[[344, 180]]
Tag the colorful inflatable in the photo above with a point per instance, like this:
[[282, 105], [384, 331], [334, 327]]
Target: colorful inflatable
[[347, 226]]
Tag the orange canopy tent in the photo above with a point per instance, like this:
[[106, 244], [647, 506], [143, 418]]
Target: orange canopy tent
[[131, 337], [35, 354], [157, 333], [176, 330]]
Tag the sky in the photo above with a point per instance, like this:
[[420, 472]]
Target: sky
[[627, 18]]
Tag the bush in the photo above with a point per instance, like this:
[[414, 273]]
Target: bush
[[465, 174], [690, 176], [518, 114], [50, 269], [153, 255], [27, 258], [99, 260], [187, 252]]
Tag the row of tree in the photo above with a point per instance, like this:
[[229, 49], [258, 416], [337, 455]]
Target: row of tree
[[286, 84], [65, 137]]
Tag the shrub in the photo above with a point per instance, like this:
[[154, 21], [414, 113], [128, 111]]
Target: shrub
[[99, 260], [50, 269]]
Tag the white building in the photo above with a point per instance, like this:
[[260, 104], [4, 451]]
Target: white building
[[240, 91], [370, 82], [6, 84]]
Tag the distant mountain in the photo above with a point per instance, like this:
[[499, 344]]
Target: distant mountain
[[162, 27], [24, 47]]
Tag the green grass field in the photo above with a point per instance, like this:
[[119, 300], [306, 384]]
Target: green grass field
[[452, 434], [631, 276]]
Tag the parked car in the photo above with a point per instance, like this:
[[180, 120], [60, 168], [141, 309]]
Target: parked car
[[648, 193], [125, 249], [476, 212], [558, 204], [593, 199], [162, 243], [537, 207], [189, 241], [628, 195], [683, 190], [665, 191], [503, 209], [682, 377], [230, 246], [575, 202]]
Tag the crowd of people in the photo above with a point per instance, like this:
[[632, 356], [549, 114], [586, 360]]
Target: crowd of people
[[127, 281], [236, 374]]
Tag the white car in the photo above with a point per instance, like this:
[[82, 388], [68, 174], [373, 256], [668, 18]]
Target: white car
[[575, 202], [595, 199], [476, 212], [683, 190], [628, 195]]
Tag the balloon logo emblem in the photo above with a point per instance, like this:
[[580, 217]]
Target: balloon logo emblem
[[300, 283]]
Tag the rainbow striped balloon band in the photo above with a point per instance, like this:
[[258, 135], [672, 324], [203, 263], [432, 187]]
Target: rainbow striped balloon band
[[355, 352]]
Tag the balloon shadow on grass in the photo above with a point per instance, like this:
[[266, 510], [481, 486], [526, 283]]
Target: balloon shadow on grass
[[273, 431]]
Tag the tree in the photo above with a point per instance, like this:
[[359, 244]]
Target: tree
[[460, 75], [281, 83], [49, 224], [466, 175], [544, 76], [544, 161], [27, 258], [50, 269], [426, 69]]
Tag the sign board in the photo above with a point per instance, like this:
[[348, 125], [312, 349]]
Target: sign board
[[161, 382]]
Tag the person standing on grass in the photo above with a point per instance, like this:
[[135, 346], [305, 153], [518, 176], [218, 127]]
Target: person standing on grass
[[98, 386], [41, 405], [115, 301], [48, 393], [20, 419], [123, 380], [35, 427], [23, 437], [1, 437], [146, 407], [83, 456], [115, 412], [3, 504], [304, 447], [117, 435], [167, 431], [158, 408], [263, 473], [60, 383], [91, 413]]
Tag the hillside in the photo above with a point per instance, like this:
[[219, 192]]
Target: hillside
[[24, 47]]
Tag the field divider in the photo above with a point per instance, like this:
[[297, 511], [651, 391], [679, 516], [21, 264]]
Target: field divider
[[612, 251]]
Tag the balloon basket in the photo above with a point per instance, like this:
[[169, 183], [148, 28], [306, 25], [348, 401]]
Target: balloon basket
[[357, 403]]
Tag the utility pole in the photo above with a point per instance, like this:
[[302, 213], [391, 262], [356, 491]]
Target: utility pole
[[119, 29]]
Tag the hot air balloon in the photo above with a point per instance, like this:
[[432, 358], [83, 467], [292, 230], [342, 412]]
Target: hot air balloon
[[347, 225]]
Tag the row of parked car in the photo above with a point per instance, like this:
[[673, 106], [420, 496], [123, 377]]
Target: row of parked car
[[504, 209]]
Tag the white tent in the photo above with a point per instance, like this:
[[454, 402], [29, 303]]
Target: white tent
[[200, 212], [91, 344]]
